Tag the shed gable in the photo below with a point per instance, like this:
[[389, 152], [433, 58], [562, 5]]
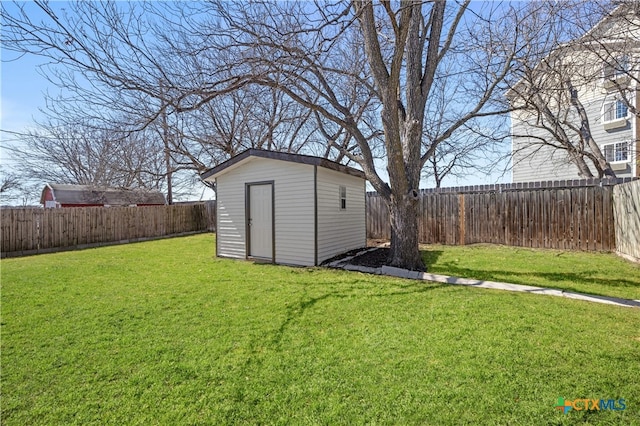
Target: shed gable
[[293, 206], [309, 223]]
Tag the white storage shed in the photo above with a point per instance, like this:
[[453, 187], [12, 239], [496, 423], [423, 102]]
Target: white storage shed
[[287, 208]]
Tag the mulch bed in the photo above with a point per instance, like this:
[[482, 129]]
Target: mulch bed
[[372, 259], [342, 256]]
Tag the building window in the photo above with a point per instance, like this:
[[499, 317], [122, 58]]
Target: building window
[[343, 198], [615, 110], [616, 152], [618, 68]]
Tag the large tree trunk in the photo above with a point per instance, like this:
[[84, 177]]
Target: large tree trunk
[[403, 215]]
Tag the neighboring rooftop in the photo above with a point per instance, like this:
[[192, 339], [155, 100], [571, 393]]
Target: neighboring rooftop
[[96, 195]]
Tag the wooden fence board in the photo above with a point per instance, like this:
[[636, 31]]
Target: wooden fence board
[[590, 219], [610, 218], [563, 203], [534, 218], [576, 218], [551, 230], [454, 204], [33, 230], [626, 208], [583, 236]]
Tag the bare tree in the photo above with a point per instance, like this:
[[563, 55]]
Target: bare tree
[[554, 115], [83, 154], [465, 154], [473, 147], [9, 182], [554, 101], [130, 67], [404, 45], [614, 43], [16, 189], [366, 70], [11, 187], [251, 117]]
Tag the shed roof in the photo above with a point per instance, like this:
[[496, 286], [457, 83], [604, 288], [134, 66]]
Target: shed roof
[[284, 156], [92, 195]]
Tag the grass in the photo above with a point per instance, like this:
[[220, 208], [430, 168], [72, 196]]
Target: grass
[[603, 274], [164, 333]]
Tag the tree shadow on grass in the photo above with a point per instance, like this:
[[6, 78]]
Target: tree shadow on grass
[[269, 341], [305, 303], [272, 339], [430, 256]]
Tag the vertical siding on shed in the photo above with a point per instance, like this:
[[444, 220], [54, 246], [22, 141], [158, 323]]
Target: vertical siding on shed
[[294, 213], [339, 230], [230, 234]]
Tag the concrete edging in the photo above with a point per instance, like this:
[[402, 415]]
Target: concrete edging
[[493, 285]]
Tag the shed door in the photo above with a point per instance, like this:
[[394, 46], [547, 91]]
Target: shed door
[[260, 220]]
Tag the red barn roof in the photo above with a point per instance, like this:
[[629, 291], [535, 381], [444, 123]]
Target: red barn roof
[[89, 195]]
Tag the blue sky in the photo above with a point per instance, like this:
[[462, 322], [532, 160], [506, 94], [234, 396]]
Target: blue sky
[[22, 87], [22, 90], [22, 98], [22, 93]]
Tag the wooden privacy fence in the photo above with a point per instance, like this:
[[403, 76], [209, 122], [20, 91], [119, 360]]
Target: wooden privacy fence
[[34, 230], [626, 207], [575, 215]]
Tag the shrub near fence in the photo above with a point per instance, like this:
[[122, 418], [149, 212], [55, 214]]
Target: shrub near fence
[[32, 230], [574, 215]]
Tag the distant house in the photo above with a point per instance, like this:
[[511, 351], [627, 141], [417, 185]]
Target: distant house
[[605, 79], [287, 208], [54, 195]]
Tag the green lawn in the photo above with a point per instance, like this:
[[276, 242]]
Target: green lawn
[[164, 333], [603, 274]]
